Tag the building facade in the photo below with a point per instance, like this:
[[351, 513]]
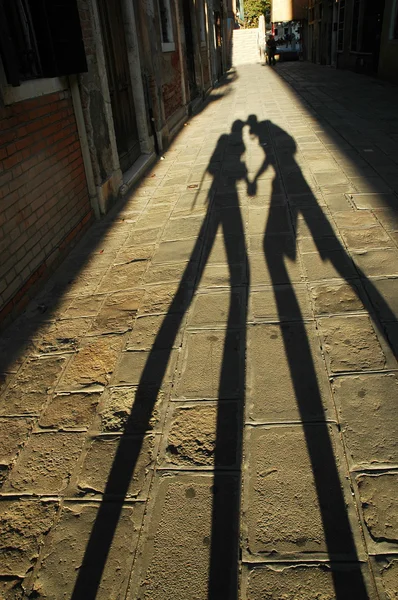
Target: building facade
[[360, 35], [91, 92]]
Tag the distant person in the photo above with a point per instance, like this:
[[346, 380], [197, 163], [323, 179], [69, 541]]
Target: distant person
[[271, 50]]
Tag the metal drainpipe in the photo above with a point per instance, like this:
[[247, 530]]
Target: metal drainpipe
[[81, 128]]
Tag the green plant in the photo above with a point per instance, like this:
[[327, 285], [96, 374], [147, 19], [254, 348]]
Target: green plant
[[255, 8]]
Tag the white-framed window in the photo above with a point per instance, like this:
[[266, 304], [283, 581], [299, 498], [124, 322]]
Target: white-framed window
[[166, 26]]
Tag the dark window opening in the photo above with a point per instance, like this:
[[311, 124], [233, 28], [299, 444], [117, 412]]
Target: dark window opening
[[164, 20], [40, 38], [340, 30]]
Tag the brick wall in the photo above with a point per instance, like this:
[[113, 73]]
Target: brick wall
[[43, 193]]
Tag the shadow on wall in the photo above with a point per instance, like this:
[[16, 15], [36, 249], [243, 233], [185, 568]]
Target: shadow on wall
[[223, 212]]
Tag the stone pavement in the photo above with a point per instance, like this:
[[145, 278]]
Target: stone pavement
[[202, 403]]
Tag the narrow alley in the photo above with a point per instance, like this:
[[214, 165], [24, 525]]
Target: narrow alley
[[202, 401]]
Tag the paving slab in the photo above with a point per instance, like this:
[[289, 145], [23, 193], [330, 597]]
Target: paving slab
[[378, 495], [93, 364], [45, 464], [71, 411], [125, 409], [386, 573], [307, 581], [282, 517], [365, 404], [201, 363], [100, 457], [276, 390], [24, 524], [181, 516], [28, 391], [337, 297], [351, 344], [200, 435], [62, 555]]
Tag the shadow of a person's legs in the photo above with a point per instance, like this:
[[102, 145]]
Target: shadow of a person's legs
[[224, 537]]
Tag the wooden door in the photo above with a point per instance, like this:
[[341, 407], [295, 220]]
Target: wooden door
[[119, 81]]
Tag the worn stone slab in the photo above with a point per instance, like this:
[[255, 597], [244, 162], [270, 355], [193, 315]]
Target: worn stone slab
[[122, 410], [377, 262], [365, 404], [270, 220], [386, 571], [354, 219], [202, 435], [70, 411], [379, 498], [216, 309], [171, 273], [11, 589], [284, 270], [23, 524], [117, 313], [336, 297], [202, 359], [351, 344], [370, 185], [29, 389], [131, 254], [146, 329], [143, 236], [93, 364], [218, 252], [277, 243], [371, 200], [13, 434], [133, 369], [309, 581], [366, 238], [45, 464], [183, 227], [79, 282], [223, 275], [175, 251], [123, 277], [281, 513], [322, 245], [61, 336], [384, 297], [163, 298], [388, 218], [99, 460], [329, 265], [280, 303], [273, 388], [86, 306], [63, 552], [181, 518]]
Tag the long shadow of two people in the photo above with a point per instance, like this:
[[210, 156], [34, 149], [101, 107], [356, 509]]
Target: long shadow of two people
[[223, 212]]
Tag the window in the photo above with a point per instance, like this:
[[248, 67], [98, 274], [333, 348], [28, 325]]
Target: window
[[166, 24], [355, 25], [340, 29], [395, 22], [40, 39], [367, 23], [202, 28]]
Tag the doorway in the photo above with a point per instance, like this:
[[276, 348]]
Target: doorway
[[190, 49], [119, 81]]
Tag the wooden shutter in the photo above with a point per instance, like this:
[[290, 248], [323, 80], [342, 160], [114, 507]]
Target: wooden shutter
[[7, 47], [66, 37]]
